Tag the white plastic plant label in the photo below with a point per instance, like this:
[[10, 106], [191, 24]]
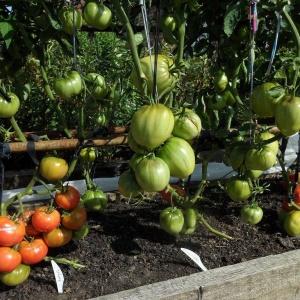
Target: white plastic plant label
[[59, 277], [194, 257]]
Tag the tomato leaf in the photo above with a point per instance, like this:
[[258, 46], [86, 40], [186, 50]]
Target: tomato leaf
[[232, 17], [6, 31]]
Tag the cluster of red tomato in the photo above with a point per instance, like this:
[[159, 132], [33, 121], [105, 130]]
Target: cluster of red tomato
[[24, 241]]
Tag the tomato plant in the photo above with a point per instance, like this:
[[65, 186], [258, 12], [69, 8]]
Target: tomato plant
[[97, 86], [45, 219], [11, 232], [68, 198], [67, 20], [97, 15], [58, 237], [75, 219], [9, 259], [251, 214], [171, 220], [9, 108], [260, 159], [33, 252], [94, 200], [15, 277], [53, 168]]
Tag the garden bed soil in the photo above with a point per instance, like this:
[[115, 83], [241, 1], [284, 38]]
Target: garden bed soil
[[126, 248]]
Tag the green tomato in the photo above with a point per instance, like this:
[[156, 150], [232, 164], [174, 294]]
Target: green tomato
[[190, 221], [230, 99], [262, 103], [97, 15], [187, 125], [291, 223], [66, 18], [253, 174], [251, 214], [97, 86], [237, 156], [152, 125], [218, 102], [287, 114], [9, 108], [165, 78], [88, 154], [133, 145], [238, 189], [168, 22], [152, 174], [260, 159], [171, 220], [263, 136], [15, 277], [135, 160], [220, 81], [179, 156], [94, 200], [68, 86], [101, 120], [128, 186], [81, 233]]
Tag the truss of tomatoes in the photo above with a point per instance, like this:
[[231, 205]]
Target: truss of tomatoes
[[24, 241]]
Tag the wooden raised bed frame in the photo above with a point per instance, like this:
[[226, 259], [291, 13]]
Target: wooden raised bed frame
[[274, 277]]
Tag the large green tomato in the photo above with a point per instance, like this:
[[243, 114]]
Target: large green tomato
[[66, 18], [152, 174], [230, 99], [171, 220], [15, 277], [134, 160], [262, 103], [94, 200], [253, 174], [260, 159], [97, 15], [220, 81], [274, 146], [292, 223], [217, 102], [238, 189], [165, 79], [179, 156], [152, 125], [287, 115], [96, 85], [190, 221], [187, 125], [237, 156], [128, 186], [133, 145], [168, 22], [9, 108], [251, 214], [68, 86]]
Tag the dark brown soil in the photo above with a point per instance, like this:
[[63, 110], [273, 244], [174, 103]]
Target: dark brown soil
[[126, 248]]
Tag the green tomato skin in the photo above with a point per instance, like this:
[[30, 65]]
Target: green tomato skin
[[218, 102], [237, 156], [135, 160], [133, 145], [220, 81], [15, 277], [187, 126], [168, 23], [287, 114], [190, 221], [152, 174], [260, 159], [274, 146], [253, 174], [128, 185], [97, 15], [152, 125], [230, 99], [262, 103], [238, 189], [94, 200], [88, 154], [101, 120], [66, 18], [81, 233], [68, 86], [165, 79], [291, 223], [96, 84], [9, 109], [179, 156], [251, 214], [171, 220]]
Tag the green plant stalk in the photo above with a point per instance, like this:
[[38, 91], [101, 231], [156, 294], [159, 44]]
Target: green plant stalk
[[285, 174], [81, 123], [297, 37], [121, 14], [17, 129], [180, 12], [10, 201], [71, 168], [234, 85], [58, 108], [88, 180], [61, 260]]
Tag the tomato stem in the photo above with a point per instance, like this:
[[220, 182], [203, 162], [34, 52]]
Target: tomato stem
[[17, 129], [60, 260], [181, 17]]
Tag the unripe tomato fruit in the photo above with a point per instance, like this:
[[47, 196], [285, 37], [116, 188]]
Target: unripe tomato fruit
[[58, 237], [15, 277], [53, 168], [171, 220], [292, 223], [238, 189], [251, 214], [128, 185]]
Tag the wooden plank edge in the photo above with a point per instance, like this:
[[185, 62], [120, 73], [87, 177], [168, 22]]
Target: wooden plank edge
[[194, 286]]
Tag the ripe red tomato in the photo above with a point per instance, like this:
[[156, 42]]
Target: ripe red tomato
[[33, 252], [31, 231], [297, 194], [75, 219], [9, 259], [45, 219], [68, 198], [11, 232], [58, 237]]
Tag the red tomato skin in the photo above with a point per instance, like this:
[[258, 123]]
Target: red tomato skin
[[57, 237], [33, 252], [297, 194], [44, 220], [76, 219], [9, 259], [67, 199], [31, 231], [11, 232]]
